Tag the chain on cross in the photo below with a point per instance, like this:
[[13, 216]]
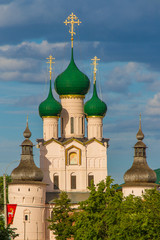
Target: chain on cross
[[50, 65], [95, 63], [72, 19]]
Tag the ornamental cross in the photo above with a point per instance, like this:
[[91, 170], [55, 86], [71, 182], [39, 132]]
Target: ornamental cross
[[95, 59], [140, 121], [50, 63], [72, 19]]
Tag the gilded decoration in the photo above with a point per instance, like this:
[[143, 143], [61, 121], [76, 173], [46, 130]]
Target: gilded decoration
[[73, 156], [72, 96]]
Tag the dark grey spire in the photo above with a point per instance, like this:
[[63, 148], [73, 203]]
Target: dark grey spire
[[140, 171], [27, 170]]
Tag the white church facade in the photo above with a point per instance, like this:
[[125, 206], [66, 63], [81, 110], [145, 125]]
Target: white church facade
[[71, 160], [68, 162]]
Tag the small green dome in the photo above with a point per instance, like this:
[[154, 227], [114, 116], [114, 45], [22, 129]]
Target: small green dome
[[50, 107], [72, 81], [95, 106]]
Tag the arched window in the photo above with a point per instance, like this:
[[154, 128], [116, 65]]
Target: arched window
[[72, 124], [73, 181], [90, 179], [135, 152], [56, 181], [51, 214], [26, 215], [62, 125]]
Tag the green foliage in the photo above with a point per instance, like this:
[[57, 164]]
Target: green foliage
[[97, 214], [8, 180], [6, 233], [106, 215], [62, 218]]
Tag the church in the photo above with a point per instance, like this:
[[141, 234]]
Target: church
[[68, 162]]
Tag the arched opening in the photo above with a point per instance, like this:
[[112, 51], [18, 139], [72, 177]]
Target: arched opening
[[90, 179], [73, 181], [55, 181]]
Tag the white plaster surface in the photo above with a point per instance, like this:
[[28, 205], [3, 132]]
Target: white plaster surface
[[95, 128], [50, 128], [30, 200], [134, 190]]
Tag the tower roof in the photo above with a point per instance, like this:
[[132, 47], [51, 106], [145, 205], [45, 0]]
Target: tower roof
[[50, 107], [72, 81], [27, 170], [140, 172], [95, 106]]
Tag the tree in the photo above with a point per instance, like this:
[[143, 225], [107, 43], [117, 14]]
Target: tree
[[6, 233], [97, 214], [62, 218], [8, 180], [107, 215]]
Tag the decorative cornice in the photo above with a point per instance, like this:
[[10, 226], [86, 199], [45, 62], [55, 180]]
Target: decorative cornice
[[52, 140], [92, 140], [71, 96], [50, 117], [94, 116], [71, 140]]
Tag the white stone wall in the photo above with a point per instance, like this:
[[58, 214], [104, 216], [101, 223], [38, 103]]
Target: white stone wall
[[72, 107], [54, 161], [30, 200], [95, 127], [97, 160], [50, 128], [137, 190]]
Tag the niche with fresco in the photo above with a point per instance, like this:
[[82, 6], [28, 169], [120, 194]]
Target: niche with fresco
[[73, 156]]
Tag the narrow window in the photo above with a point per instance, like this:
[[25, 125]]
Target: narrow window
[[62, 124], [56, 182], [26, 217], [72, 125], [136, 152], [82, 125], [144, 153], [51, 214], [73, 182], [90, 179]]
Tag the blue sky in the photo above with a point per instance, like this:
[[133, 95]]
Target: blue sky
[[124, 34]]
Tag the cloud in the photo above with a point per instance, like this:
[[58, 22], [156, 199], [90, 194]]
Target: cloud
[[153, 105], [131, 36]]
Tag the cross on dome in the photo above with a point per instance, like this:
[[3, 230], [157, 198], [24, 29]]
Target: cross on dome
[[50, 63], [95, 63], [72, 19]]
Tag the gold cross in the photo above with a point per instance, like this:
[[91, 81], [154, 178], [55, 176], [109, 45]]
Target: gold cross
[[72, 19], [95, 59], [50, 62]]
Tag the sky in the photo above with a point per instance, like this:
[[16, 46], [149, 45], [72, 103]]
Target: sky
[[124, 34]]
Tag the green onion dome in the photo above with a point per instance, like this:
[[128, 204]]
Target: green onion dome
[[50, 107], [72, 81], [95, 106]]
